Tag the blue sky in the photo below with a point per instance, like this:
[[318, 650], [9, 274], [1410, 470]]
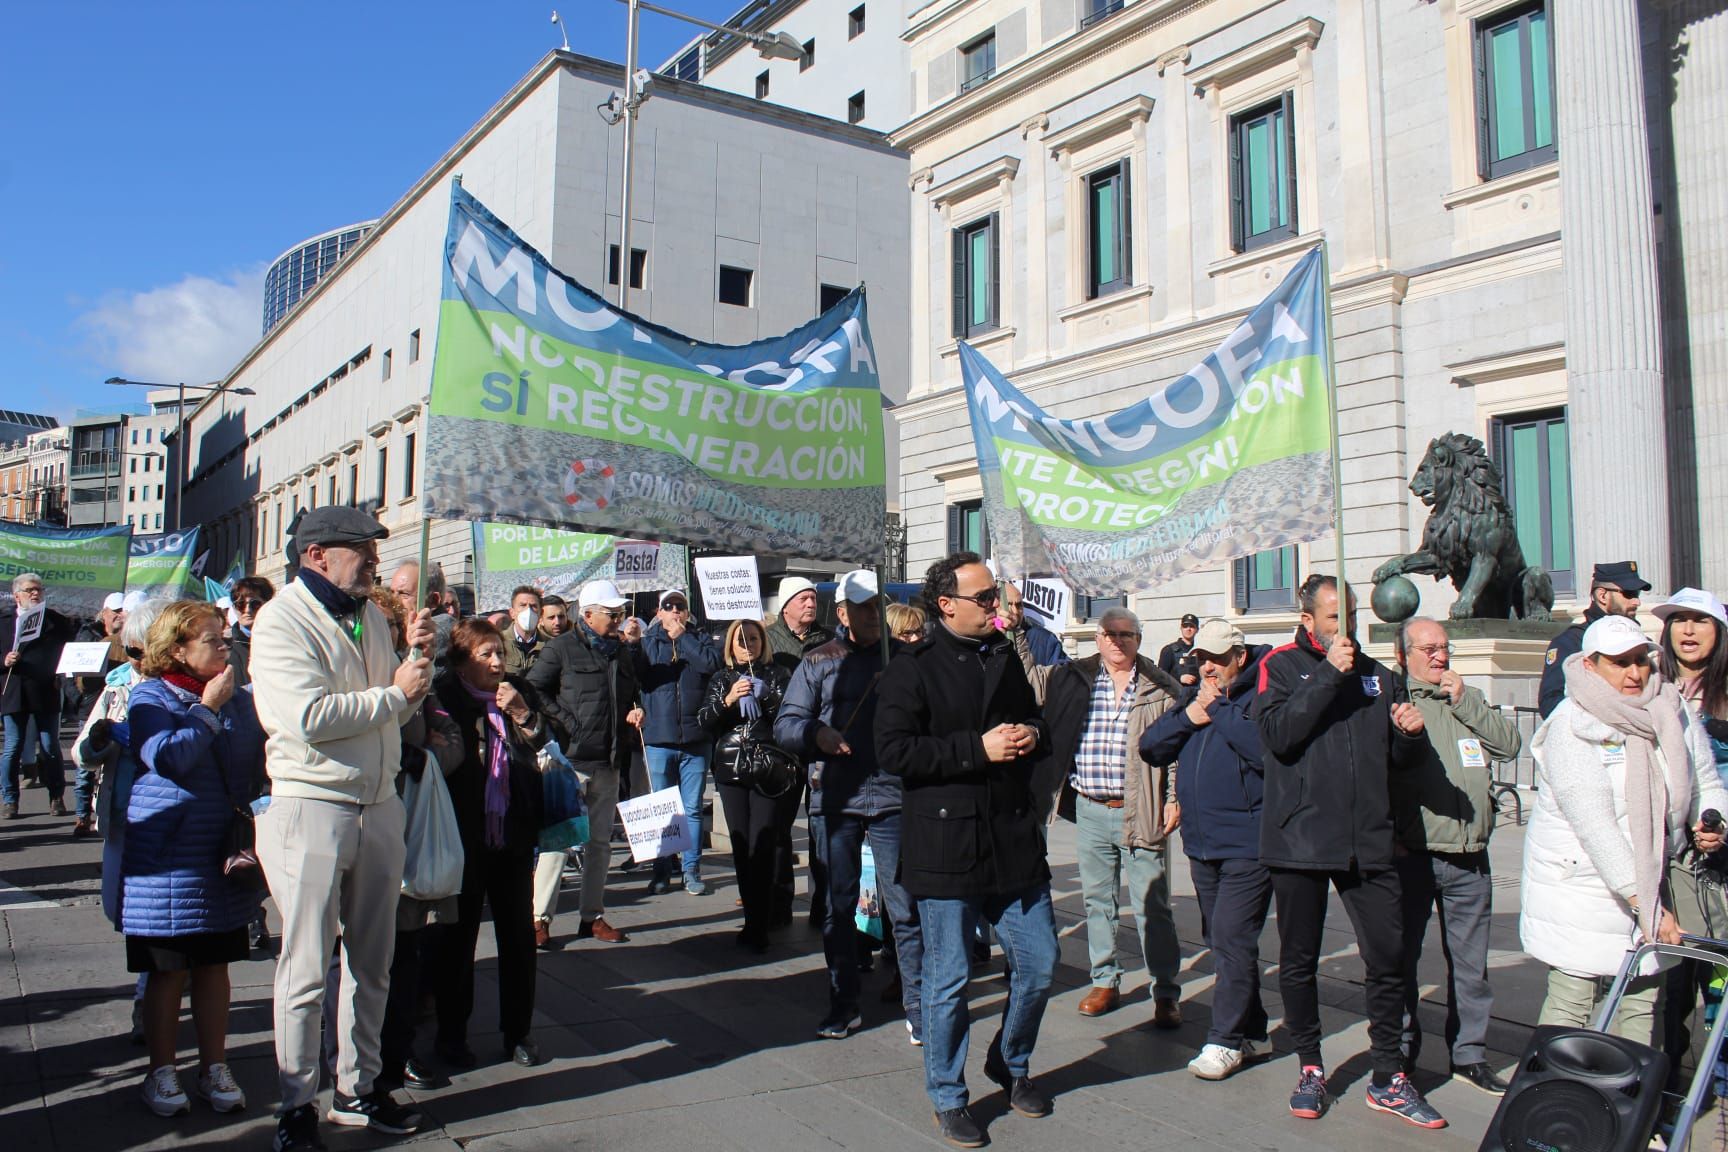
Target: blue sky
[[156, 155]]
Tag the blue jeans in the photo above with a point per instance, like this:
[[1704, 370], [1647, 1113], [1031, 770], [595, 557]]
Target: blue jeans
[[846, 836], [48, 766], [684, 766], [1103, 858], [1026, 928]]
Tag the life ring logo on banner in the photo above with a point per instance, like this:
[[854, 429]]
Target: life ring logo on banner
[[588, 484]]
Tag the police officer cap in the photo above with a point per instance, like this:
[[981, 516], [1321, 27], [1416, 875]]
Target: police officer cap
[[335, 525], [1621, 574]]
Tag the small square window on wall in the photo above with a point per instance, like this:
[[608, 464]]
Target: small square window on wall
[[855, 108], [830, 295], [809, 56], [737, 286], [1265, 581], [1263, 174], [414, 346], [1092, 607], [975, 279], [1107, 231], [1514, 91], [855, 23], [638, 266], [978, 61], [762, 84]]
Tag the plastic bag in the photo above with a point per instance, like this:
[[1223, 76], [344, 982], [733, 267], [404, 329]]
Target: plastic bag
[[869, 914], [564, 822], [432, 869]]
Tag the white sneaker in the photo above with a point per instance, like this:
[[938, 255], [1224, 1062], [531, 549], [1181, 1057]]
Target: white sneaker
[[1215, 1062], [218, 1088], [912, 1036], [163, 1094], [1253, 1050]]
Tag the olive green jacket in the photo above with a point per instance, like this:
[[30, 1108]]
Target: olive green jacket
[[1443, 804]]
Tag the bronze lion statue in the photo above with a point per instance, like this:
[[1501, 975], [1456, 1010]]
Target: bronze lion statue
[[1470, 537]]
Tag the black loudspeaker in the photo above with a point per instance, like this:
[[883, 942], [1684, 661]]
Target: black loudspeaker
[[1580, 1091]]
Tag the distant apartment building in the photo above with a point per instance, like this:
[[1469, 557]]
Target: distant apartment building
[[47, 453], [150, 466]]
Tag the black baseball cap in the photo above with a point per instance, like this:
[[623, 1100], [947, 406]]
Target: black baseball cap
[[1190, 621], [1621, 574], [335, 525]]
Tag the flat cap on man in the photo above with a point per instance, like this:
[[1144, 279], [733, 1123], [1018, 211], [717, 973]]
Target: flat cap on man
[[334, 524], [1621, 574]]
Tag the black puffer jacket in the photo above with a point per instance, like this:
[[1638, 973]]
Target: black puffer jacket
[[468, 781], [968, 827], [586, 693], [1331, 747], [726, 724]]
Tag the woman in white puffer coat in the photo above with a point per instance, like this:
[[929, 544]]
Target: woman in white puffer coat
[[1623, 773]]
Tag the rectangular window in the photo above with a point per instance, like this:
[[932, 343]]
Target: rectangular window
[[1263, 174], [855, 23], [1107, 235], [809, 57], [736, 285], [976, 252], [408, 466], [762, 84], [158, 521], [384, 366], [159, 491], [147, 462], [1093, 11], [830, 295], [978, 61], [131, 495], [855, 108], [1514, 91], [332, 500], [1265, 581], [353, 483], [966, 529], [278, 546], [1536, 475], [147, 434], [638, 266], [133, 468], [1092, 607], [383, 474], [414, 346], [689, 65], [134, 437]]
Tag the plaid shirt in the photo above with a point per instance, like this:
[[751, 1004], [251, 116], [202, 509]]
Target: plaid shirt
[[1099, 762]]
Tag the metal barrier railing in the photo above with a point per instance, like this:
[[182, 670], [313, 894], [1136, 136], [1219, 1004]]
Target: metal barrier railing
[[1518, 775]]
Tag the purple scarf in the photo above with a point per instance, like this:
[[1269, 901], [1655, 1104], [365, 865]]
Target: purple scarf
[[498, 766]]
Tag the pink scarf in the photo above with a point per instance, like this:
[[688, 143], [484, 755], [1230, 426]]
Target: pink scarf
[[498, 766]]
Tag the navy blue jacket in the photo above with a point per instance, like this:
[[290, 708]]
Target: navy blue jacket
[[178, 813], [1568, 643], [1222, 781], [837, 686], [674, 681]]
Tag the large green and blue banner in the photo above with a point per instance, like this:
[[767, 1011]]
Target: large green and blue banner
[[78, 566], [507, 556], [1230, 459], [551, 408], [161, 565]]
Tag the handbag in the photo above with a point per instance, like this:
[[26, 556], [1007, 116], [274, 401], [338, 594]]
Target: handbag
[[564, 819], [768, 768], [240, 842], [432, 866]]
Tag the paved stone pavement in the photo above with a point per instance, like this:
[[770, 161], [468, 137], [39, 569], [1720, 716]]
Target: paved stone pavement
[[676, 1040]]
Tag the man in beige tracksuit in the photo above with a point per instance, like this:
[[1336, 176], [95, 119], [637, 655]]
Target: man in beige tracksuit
[[332, 695]]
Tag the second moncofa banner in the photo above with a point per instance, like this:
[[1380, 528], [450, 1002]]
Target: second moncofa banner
[[1229, 459], [549, 407]]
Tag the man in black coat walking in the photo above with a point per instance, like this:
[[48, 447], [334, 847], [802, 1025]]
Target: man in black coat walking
[[1332, 729], [957, 722], [30, 690]]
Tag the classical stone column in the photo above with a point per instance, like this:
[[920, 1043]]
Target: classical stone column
[[1178, 242], [1613, 327]]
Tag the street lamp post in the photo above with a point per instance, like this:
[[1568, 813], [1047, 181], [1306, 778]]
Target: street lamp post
[[772, 46], [180, 425]]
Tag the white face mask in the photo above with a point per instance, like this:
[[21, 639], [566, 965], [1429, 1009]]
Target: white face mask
[[527, 619]]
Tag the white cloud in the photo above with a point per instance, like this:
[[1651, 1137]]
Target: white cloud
[[192, 331]]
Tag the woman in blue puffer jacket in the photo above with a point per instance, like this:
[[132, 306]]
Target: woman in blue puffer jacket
[[200, 753]]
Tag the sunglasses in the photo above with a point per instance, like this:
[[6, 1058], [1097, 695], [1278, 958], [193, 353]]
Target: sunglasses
[[985, 599], [248, 605], [674, 606]]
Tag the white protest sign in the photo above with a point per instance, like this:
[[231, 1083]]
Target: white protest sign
[[656, 825], [635, 558], [1046, 602], [730, 587], [29, 625], [83, 659]]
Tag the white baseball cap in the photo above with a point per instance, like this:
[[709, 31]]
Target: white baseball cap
[[600, 594], [1613, 636], [132, 600], [1692, 600], [674, 593], [792, 586], [114, 602], [857, 586], [1218, 638]]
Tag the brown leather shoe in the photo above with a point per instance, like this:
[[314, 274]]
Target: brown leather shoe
[[1167, 1014], [1100, 1000], [542, 933], [598, 929]]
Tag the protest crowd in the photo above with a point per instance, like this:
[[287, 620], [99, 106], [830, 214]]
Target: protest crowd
[[387, 774]]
